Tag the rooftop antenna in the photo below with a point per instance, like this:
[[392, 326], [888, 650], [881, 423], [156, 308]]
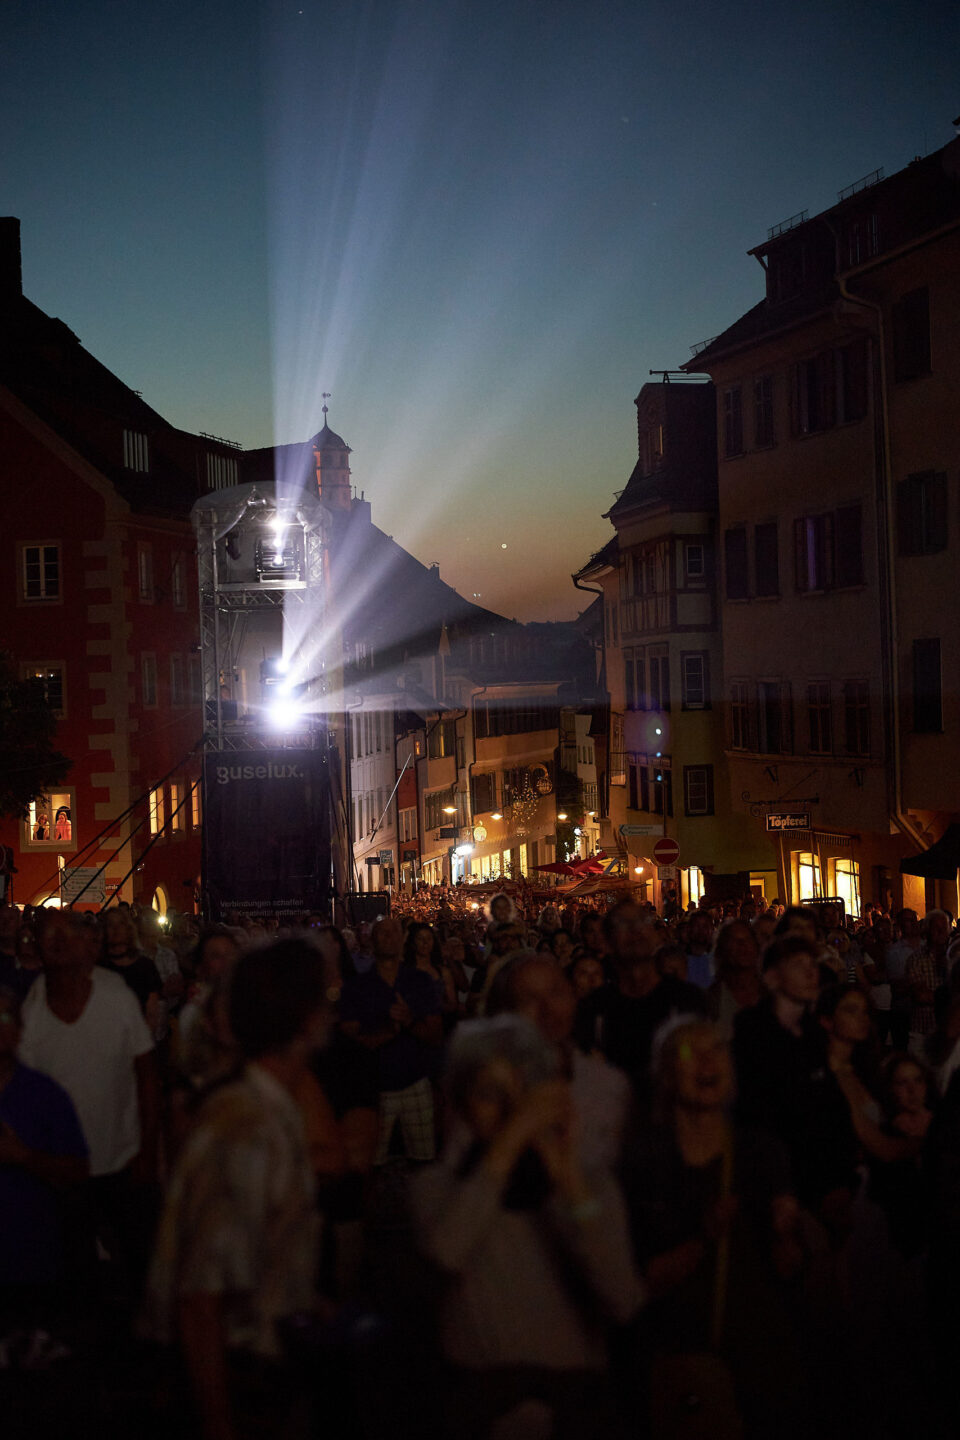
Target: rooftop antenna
[[326, 397]]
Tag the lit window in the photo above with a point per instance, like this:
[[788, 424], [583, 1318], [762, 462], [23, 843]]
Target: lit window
[[136, 451], [157, 813], [41, 572], [695, 886], [178, 816], [196, 811], [847, 886], [148, 677], [808, 876], [50, 821]]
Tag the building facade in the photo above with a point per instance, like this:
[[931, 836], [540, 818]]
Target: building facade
[[666, 768], [839, 529]]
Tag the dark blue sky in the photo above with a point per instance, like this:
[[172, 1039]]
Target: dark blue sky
[[478, 224]]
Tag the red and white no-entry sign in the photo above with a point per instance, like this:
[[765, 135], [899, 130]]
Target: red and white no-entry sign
[[666, 851]]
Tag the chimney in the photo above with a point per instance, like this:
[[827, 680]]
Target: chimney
[[11, 280]]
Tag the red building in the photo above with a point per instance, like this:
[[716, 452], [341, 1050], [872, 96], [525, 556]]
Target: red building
[[99, 596]]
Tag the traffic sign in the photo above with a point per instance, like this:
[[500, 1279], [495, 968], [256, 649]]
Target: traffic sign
[[666, 872], [626, 830], [666, 851], [82, 882]]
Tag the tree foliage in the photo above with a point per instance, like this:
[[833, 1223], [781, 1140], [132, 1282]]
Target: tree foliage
[[29, 763]]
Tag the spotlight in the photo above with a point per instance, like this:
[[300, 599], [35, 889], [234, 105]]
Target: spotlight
[[449, 809], [496, 815], [283, 712], [463, 850], [638, 869], [561, 814]]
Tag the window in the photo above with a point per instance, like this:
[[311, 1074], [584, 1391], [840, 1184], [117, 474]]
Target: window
[[694, 680], [694, 563], [661, 785], [178, 592], [194, 687], [828, 550], [196, 805], [775, 717], [848, 546], [145, 572], [442, 740], [50, 822], [739, 715], [735, 563], [41, 572], [763, 431], [176, 680], [698, 789], [922, 514], [434, 806], [178, 818], [808, 876], [847, 885], [863, 242], [157, 816], [221, 471], [927, 687], [766, 559], [659, 679], [51, 679], [378, 729], [148, 681], [813, 543], [633, 787], [813, 394], [136, 451], [618, 760], [856, 717], [408, 823], [911, 336], [484, 793], [852, 381], [732, 422], [634, 667], [820, 717]]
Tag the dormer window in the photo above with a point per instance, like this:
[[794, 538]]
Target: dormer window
[[136, 451]]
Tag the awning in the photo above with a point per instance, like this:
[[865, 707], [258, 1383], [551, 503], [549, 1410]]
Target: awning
[[940, 862]]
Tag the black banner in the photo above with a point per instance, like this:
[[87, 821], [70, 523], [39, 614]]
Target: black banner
[[266, 832]]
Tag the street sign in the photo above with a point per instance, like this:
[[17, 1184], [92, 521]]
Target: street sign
[[666, 872], [788, 820], [85, 878], [626, 830], [666, 851]]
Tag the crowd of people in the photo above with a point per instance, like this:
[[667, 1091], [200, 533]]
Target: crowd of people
[[511, 1170]]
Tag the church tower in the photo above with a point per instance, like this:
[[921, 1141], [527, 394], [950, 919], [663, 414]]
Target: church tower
[[333, 468]]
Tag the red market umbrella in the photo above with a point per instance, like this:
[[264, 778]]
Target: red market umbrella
[[558, 867], [589, 866]]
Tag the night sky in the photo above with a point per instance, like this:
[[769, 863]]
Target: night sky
[[479, 225]]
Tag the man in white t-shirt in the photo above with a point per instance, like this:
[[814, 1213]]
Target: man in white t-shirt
[[82, 1025]]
